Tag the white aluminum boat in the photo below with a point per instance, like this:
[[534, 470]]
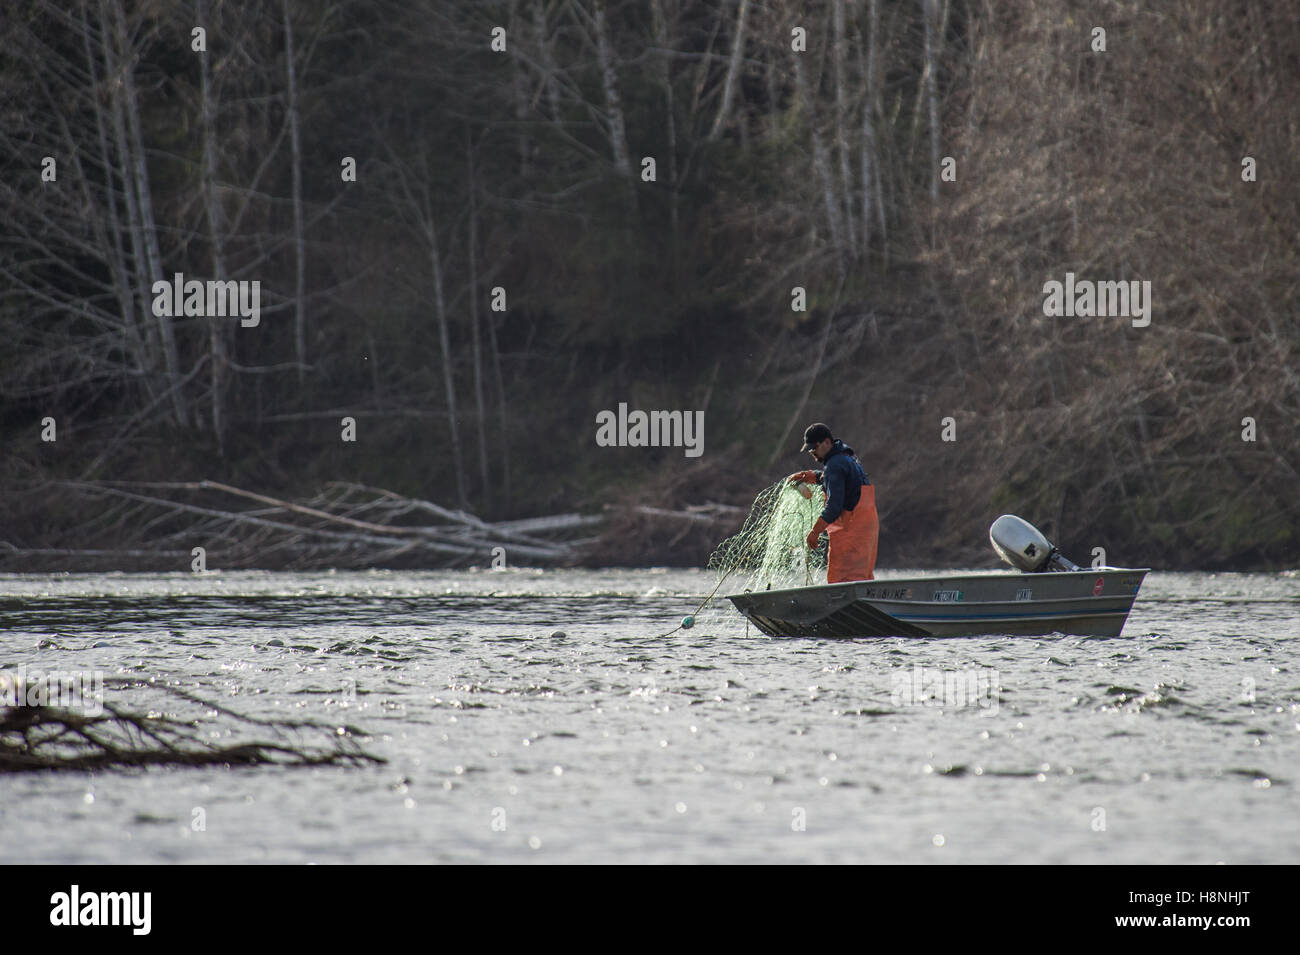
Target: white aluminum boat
[[1051, 595]]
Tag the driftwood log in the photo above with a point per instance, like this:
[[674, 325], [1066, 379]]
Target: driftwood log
[[158, 523]]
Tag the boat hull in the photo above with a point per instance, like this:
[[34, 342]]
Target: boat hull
[[1093, 602]]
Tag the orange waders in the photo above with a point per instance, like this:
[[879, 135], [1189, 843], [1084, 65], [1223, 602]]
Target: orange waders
[[853, 538]]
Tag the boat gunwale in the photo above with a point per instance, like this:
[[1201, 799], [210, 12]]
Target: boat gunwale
[[888, 581]]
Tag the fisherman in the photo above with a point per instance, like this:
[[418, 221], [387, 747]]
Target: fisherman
[[849, 517]]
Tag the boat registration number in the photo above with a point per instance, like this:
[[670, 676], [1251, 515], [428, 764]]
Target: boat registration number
[[943, 596], [888, 593]]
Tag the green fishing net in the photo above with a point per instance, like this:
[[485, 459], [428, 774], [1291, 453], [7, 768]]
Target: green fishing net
[[769, 552]]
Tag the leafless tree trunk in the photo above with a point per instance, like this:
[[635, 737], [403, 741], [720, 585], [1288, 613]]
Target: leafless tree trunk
[[444, 341], [928, 14], [519, 82], [126, 113], [821, 158], [415, 206], [546, 56], [295, 160], [870, 151], [838, 49], [216, 236], [733, 70], [503, 411], [477, 349], [430, 228], [135, 345], [613, 102], [670, 112]]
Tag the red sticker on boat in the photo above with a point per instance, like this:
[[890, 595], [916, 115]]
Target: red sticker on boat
[[1096, 588]]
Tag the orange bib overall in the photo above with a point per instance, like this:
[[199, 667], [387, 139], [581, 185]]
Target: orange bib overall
[[853, 538]]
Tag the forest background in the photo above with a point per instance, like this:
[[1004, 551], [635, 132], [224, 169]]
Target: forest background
[[504, 264]]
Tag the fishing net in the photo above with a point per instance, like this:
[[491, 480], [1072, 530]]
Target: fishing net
[[769, 552]]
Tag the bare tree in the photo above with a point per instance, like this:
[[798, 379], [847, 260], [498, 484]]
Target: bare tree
[[295, 161], [733, 70], [615, 121]]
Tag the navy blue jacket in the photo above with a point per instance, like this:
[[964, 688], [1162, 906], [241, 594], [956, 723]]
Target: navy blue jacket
[[843, 479]]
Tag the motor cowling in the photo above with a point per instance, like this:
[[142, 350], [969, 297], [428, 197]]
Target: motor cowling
[[1024, 547]]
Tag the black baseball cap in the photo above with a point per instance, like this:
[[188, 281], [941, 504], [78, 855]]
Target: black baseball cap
[[815, 435]]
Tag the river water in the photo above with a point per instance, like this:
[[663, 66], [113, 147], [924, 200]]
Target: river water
[[531, 716]]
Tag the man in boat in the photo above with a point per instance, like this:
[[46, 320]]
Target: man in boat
[[849, 517]]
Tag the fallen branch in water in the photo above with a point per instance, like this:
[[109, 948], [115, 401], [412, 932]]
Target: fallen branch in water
[[101, 735]]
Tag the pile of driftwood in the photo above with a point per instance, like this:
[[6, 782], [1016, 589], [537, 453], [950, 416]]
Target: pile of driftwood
[[641, 535], [158, 524], [177, 729]]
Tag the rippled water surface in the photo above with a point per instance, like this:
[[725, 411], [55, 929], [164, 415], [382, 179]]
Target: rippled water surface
[[545, 716]]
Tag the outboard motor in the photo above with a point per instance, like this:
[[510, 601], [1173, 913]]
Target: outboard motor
[[1021, 545]]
